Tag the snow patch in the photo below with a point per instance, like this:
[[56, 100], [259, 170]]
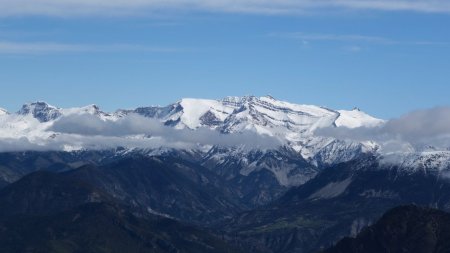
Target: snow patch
[[194, 109], [356, 118]]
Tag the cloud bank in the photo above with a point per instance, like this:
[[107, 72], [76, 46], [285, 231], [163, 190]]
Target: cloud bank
[[86, 131], [145, 7], [132, 125], [415, 131]]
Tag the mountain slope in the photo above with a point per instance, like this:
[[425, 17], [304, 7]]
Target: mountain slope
[[15, 165], [338, 202], [238, 179], [356, 118], [167, 185], [403, 229], [101, 227], [45, 193], [48, 212]]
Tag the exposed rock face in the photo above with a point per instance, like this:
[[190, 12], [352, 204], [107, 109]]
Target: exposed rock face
[[41, 111]]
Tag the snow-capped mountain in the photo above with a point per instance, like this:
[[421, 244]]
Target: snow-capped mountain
[[298, 156], [44, 112], [426, 161], [292, 124], [262, 114], [33, 121], [40, 111], [356, 118]]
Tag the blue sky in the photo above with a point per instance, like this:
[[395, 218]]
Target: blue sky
[[386, 57]]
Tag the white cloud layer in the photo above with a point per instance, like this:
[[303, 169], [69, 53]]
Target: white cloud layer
[[145, 7], [90, 125], [86, 131], [422, 130], [415, 131]]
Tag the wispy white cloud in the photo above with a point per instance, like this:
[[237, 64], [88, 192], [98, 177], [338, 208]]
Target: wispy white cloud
[[397, 5], [145, 7], [333, 37], [7, 47], [353, 49], [353, 38]]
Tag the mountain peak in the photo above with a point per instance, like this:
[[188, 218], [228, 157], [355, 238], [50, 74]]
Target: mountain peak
[[3, 111], [92, 109], [270, 97], [40, 110], [356, 118], [94, 106], [238, 100], [37, 103]]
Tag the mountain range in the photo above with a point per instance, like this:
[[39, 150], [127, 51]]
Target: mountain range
[[238, 174]]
